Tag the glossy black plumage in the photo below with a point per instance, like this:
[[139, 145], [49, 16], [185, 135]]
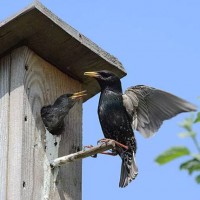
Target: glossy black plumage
[[141, 107], [53, 115], [116, 125]]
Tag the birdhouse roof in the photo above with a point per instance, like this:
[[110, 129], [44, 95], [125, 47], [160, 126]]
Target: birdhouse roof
[[58, 43]]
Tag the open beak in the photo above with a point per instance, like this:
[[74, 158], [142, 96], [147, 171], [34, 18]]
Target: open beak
[[79, 95], [92, 74]]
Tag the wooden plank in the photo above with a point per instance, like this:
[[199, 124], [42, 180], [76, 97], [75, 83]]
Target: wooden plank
[[71, 142], [36, 83], [15, 125], [4, 114], [58, 43]]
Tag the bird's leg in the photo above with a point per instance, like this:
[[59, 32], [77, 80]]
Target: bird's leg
[[88, 147], [117, 143], [113, 153]]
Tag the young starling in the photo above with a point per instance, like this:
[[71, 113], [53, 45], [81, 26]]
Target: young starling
[[53, 115], [141, 107]]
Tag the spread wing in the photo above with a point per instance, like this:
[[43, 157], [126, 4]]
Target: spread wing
[[149, 107]]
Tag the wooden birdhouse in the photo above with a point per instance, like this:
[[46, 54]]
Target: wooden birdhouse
[[41, 58]]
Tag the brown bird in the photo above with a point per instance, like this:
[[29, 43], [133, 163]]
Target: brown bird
[[141, 107]]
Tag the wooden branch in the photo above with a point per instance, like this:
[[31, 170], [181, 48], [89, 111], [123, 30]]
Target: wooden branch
[[83, 154]]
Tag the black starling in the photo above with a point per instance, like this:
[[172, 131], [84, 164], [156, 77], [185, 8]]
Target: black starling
[[53, 115], [141, 107]]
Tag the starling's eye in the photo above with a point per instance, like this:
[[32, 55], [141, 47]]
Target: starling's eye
[[105, 75]]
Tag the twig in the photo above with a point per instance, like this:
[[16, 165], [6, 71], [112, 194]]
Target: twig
[[196, 143], [83, 154]]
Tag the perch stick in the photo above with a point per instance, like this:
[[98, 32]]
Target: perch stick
[[83, 154]]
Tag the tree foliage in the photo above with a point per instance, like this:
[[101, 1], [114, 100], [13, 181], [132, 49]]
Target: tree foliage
[[193, 163]]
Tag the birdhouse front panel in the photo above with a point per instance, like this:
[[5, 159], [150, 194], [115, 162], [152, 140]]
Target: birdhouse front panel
[[28, 83]]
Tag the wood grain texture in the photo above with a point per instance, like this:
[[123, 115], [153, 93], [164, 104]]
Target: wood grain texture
[[15, 125], [35, 83], [4, 114]]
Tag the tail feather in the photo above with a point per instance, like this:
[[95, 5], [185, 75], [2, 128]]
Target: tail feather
[[129, 169]]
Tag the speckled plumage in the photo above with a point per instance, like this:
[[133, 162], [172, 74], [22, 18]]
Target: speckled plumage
[[141, 107], [116, 125]]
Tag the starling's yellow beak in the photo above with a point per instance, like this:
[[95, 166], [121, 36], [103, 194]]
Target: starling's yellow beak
[[92, 74], [79, 95]]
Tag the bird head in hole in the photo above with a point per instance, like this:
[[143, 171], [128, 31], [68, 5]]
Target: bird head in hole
[[69, 99]]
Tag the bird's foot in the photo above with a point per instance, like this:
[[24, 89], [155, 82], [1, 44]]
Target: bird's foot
[[112, 153], [106, 140], [88, 147]]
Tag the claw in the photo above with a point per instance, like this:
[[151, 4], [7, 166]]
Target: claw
[[88, 147], [113, 153], [117, 143]]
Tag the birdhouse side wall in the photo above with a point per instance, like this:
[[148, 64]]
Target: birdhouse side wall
[[29, 147], [4, 114]]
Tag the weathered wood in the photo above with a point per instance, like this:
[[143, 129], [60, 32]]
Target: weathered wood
[[28, 82], [4, 114], [15, 160], [35, 83], [58, 43], [83, 154]]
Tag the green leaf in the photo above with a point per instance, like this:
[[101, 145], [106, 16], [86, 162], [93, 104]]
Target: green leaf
[[187, 123], [171, 154], [191, 165], [197, 179], [187, 134], [196, 156], [198, 118]]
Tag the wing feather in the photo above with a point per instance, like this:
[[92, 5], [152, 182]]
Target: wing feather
[[149, 107]]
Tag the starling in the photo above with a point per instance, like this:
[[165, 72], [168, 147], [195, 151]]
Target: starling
[[140, 108], [53, 115]]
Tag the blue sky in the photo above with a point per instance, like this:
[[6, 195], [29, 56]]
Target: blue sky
[[158, 43]]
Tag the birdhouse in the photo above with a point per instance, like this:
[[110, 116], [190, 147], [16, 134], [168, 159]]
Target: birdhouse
[[41, 58]]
